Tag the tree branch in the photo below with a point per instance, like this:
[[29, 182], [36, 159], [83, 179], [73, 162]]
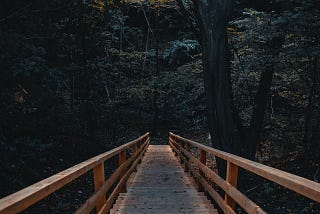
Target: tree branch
[[191, 17], [18, 12]]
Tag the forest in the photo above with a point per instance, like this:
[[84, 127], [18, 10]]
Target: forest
[[81, 77]]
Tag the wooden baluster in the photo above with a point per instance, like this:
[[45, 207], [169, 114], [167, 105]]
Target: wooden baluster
[[180, 154], [134, 149], [122, 159], [98, 175], [232, 178], [175, 146], [202, 159], [186, 166], [138, 147]]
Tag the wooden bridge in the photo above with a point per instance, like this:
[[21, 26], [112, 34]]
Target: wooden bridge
[[174, 178]]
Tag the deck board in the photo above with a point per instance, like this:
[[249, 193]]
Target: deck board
[[160, 185]]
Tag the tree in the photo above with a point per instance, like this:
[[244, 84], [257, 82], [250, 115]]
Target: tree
[[211, 20]]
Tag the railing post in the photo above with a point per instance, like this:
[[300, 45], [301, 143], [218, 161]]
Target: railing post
[[138, 147], [186, 166], [122, 159], [134, 149], [171, 143], [147, 144], [148, 141], [98, 176], [175, 142], [232, 178], [203, 160]]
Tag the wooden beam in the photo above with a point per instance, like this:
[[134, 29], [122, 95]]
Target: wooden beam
[[202, 160], [91, 202], [122, 160], [98, 174], [217, 198], [248, 205], [186, 163], [305, 187], [106, 207], [232, 179], [134, 148], [24, 198]]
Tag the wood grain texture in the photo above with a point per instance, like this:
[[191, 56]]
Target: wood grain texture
[[91, 202], [24, 198], [123, 180], [248, 205], [161, 186], [305, 187], [122, 160], [232, 179], [98, 176]]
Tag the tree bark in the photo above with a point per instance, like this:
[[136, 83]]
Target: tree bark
[[216, 67], [256, 124], [224, 122], [156, 93], [309, 109]]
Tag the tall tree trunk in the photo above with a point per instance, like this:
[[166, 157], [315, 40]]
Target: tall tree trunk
[[156, 78], [260, 105], [216, 69], [90, 119], [309, 108], [226, 129]]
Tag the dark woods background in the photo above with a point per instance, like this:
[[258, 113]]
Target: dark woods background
[[81, 77]]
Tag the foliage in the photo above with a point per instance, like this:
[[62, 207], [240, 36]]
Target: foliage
[[288, 42], [180, 52], [81, 76]]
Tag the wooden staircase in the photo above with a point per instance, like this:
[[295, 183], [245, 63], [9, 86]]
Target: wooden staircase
[[161, 179], [161, 186]]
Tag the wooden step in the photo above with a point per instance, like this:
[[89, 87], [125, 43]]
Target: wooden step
[[161, 186]]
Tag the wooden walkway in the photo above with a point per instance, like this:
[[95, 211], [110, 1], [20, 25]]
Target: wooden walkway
[[160, 185]]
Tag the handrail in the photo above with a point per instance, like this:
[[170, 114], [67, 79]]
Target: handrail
[[28, 196], [181, 146]]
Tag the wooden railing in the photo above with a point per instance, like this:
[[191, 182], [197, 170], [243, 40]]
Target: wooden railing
[[21, 200], [205, 176]]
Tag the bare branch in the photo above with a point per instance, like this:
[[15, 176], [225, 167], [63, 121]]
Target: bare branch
[[192, 18], [18, 12]]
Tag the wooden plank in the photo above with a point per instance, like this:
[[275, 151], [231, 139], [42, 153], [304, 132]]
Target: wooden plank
[[134, 148], [232, 178], [305, 187], [92, 201], [203, 160], [98, 175], [24, 198], [122, 160], [186, 163], [248, 205], [106, 207], [161, 186], [222, 204]]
